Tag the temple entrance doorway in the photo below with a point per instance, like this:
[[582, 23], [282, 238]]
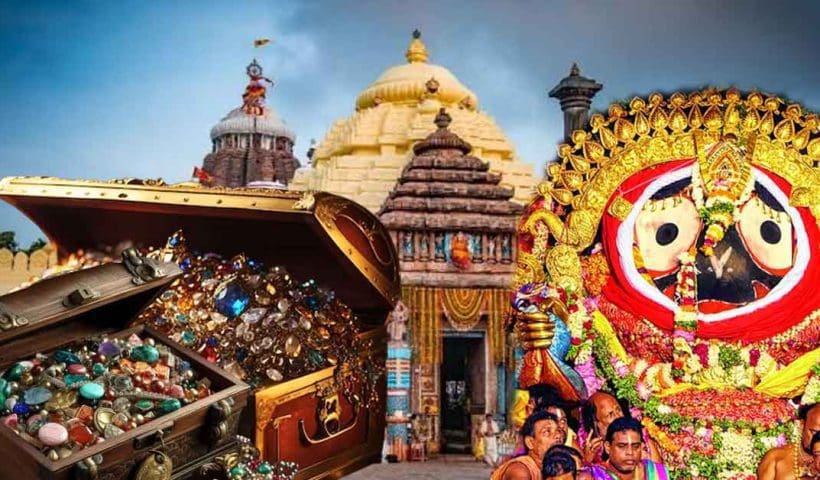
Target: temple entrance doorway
[[462, 388]]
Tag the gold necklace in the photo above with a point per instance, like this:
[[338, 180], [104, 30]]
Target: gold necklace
[[798, 470]]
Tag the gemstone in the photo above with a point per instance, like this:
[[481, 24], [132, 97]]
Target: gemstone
[[283, 305], [144, 406], [120, 420], [5, 388], [238, 471], [264, 468], [72, 379], [35, 422], [79, 433], [305, 323], [52, 434], [292, 346], [274, 374], [145, 353], [14, 373], [109, 349], [92, 391], [98, 369], [313, 303], [37, 395], [112, 431], [10, 421], [121, 404], [134, 340], [85, 414], [102, 417], [253, 315], [262, 298], [230, 299], [176, 391], [64, 356], [170, 405], [21, 409], [187, 337], [77, 368]]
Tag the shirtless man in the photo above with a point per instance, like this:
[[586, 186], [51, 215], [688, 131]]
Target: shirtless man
[[599, 411], [779, 463], [540, 432]]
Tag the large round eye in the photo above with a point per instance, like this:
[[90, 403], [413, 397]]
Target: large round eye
[[767, 236], [663, 230]]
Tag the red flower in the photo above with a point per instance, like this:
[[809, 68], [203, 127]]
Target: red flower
[[702, 351], [678, 363], [576, 341], [754, 357]]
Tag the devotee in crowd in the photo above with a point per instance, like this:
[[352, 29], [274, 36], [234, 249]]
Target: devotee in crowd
[[572, 452], [570, 438], [559, 465], [540, 432], [597, 413], [489, 431], [798, 460], [624, 446]]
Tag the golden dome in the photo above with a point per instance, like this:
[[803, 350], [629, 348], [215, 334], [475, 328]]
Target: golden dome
[[408, 83], [361, 157]]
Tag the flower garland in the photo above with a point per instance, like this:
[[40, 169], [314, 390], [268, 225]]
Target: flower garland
[[716, 448]]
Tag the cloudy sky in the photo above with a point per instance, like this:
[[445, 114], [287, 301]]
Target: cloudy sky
[[131, 89]]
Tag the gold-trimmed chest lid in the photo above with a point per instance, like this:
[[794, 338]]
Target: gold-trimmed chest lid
[[318, 235]]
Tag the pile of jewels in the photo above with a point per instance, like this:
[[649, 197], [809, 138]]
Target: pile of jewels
[[259, 323], [92, 391], [246, 465]]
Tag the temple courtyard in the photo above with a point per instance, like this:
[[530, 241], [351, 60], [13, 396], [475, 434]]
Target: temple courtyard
[[444, 467]]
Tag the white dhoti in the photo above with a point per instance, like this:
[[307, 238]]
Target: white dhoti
[[491, 450]]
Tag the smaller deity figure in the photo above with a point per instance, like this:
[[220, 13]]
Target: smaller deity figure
[[397, 323], [253, 100], [460, 250], [407, 245], [424, 246], [439, 239], [491, 241], [475, 247], [506, 252]]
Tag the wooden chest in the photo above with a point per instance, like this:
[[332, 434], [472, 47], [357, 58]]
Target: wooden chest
[[313, 235], [55, 314]]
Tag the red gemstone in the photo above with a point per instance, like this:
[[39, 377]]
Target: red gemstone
[[85, 414], [79, 433]]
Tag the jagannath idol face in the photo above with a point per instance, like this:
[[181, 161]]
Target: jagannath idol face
[[758, 260]]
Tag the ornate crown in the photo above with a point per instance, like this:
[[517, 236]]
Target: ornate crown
[[727, 132]]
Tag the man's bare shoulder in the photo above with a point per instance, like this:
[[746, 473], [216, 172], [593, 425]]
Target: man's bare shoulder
[[516, 471], [778, 453]]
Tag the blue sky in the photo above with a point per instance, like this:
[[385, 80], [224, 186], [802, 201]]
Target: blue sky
[[131, 89]]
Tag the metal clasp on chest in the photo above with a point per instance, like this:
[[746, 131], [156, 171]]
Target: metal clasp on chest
[[9, 319], [143, 269]]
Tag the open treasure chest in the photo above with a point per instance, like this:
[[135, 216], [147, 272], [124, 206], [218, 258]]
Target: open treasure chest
[[87, 397], [286, 291]]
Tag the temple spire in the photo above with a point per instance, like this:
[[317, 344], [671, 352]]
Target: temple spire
[[417, 51], [575, 94]]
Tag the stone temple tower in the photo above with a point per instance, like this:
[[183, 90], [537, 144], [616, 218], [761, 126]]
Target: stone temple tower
[[575, 94], [252, 145]]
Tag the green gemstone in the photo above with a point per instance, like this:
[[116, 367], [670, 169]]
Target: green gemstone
[[5, 389], [14, 372], [73, 378], [145, 353], [92, 391], [264, 468], [170, 405], [144, 405], [98, 369], [238, 471]]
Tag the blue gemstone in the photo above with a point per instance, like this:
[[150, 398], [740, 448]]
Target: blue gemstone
[[241, 354], [212, 341], [21, 408], [184, 365], [181, 318], [231, 300], [174, 241], [37, 395], [186, 263], [313, 303], [109, 349]]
